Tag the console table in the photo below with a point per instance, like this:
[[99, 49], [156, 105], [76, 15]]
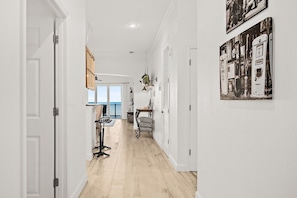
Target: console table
[[144, 124]]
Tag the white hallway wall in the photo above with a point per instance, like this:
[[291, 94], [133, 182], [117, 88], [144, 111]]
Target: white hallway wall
[[247, 148], [11, 118], [120, 63], [75, 97], [178, 32], [166, 38]]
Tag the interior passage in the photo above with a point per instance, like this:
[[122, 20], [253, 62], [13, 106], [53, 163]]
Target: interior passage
[[135, 168]]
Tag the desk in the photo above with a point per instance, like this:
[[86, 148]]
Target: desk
[[144, 123]]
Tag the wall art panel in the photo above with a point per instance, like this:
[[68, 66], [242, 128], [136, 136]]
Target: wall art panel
[[239, 11], [246, 64]]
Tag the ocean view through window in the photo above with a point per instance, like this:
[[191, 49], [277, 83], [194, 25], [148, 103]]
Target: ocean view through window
[[108, 96]]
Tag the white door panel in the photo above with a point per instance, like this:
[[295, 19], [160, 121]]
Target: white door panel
[[33, 166], [33, 93], [40, 102]]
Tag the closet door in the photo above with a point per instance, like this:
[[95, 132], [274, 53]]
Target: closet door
[[40, 101]]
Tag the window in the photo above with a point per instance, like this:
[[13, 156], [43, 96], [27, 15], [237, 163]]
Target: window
[[91, 97], [108, 96], [115, 94]]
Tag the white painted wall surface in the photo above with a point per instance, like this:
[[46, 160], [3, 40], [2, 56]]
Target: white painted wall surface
[[130, 65], [11, 121], [120, 63], [187, 27], [166, 38], [75, 100], [179, 33], [247, 148]]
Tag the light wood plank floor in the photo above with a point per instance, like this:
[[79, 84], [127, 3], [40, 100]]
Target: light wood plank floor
[[136, 168]]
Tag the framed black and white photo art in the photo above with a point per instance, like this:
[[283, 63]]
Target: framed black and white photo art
[[246, 64], [239, 11]]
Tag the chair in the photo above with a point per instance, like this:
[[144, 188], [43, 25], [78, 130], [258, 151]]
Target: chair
[[98, 112], [100, 121], [144, 124]]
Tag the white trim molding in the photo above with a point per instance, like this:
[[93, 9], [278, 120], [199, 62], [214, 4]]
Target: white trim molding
[[80, 187], [57, 8], [89, 156], [197, 195], [167, 16], [23, 99], [178, 167]]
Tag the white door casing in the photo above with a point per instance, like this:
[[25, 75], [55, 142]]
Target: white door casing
[[40, 102], [166, 101], [193, 110], [37, 9]]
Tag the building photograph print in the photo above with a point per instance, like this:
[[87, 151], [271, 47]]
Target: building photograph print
[[246, 64], [239, 11]]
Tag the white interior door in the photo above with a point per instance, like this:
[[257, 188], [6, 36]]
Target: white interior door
[[40, 101], [166, 101], [193, 110]]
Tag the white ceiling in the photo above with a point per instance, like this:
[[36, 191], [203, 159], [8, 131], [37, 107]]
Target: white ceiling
[[108, 22]]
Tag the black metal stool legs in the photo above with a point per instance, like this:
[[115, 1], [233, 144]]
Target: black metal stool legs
[[101, 141]]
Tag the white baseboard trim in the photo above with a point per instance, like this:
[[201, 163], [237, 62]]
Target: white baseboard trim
[[197, 195], [80, 187], [177, 167], [89, 156], [157, 139], [172, 161]]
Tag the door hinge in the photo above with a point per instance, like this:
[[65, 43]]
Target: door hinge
[[168, 141], [190, 152], [190, 62], [55, 111], [190, 107], [56, 182], [56, 39]]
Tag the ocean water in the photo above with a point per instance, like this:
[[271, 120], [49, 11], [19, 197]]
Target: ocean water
[[115, 109]]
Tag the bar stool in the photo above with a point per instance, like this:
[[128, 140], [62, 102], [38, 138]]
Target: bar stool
[[101, 146]]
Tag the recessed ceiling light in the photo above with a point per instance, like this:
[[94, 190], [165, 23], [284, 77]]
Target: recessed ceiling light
[[133, 25]]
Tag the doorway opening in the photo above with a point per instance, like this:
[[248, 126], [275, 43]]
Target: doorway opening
[[43, 22]]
